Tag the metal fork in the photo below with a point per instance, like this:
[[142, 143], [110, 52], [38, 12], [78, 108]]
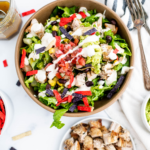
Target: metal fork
[[139, 20]]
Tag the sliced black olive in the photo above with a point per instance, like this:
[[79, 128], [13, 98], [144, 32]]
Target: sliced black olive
[[89, 83], [54, 33], [54, 23], [63, 81], [68, 28], [113, 21], [108, 39]]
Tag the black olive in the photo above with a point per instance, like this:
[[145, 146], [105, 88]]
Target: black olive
[[60, 12], [87, 69], [89, 83], [54, 23], [68, 28], [108, 39], [63, 81], [113, 21], [48, 86], [54, 33]]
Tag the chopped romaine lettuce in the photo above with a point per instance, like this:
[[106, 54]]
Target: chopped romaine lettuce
[[86, 24], [42, 87], [57, 116], [28, 81], [92, 12], [118, 67], [49, 100]]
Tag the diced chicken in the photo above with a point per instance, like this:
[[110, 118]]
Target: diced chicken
[[110, 138], [76, 146], [96, 124], [88, 143], [74, 135], [81, 131], [124, 148], [99, 23], [108, 66], [36, 28], [112, 55], [75, 24], [123, 60], [95, 132], [112, 78], [41, 76], [104, 130], [69, 143], [91, 75], [27, 68], [112, 27], [125, 135], [115, 127], [110, 147], [106, 51], [98, 144], [80, 79], [123, 143]]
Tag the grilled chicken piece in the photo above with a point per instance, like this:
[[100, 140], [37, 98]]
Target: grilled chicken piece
[[75, 24], [110, 147], [80, 79], [104, 130], [95, 132], [124, 148], [76, 146], [81, 131], [99, 23], [96, 124], [27, 68], [69, 143], [115, 127], [112, 27], [125, 135], [88, 143], [74, 135], [122, 143], [110, 138], [91, 75], [98, 144]]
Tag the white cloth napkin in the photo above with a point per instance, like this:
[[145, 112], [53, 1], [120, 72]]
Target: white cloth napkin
[[129, 114]]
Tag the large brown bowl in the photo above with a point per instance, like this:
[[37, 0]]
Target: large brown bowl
[[42, 15]]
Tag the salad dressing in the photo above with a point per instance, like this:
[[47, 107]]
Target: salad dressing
[[4, 5]]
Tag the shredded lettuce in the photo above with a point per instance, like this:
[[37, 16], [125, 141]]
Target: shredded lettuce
[[92, 12], [118, 67], [91, 19], [28, 81], [68, 11], [42, 87], [57, 116], [86, 24], [48, 100]]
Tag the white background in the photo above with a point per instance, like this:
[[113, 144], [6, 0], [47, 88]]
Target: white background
[[27, 114]]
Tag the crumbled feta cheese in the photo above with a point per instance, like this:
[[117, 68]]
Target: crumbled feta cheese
[[26, 62], [101, 83], [121, 50], [30, 35], [46, 39], [125, 69], [41, 76], [112, 78], [80, 79], [34, 56], [42, 94], [79, 16], [63, 36], [112, 55]]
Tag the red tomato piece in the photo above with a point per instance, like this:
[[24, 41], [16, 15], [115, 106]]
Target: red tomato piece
[[61, 47], [72, 44], [28, 12], [58, 53], [64, 21], [116, 51], [84, 92], [58, 75], [58, 39], [5, 63], [82, 14], [57, 95], [30, 73], [81, 61]]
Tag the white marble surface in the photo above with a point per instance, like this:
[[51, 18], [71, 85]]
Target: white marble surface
[[28, 115]]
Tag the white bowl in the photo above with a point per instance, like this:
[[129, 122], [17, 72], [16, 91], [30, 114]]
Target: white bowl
[[105, 121], [9, 111], [143, 112]]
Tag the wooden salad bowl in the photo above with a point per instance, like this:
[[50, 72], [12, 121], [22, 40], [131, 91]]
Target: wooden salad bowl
[[42, 15]]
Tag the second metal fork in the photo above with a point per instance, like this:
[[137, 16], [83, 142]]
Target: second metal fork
[[139, 20]]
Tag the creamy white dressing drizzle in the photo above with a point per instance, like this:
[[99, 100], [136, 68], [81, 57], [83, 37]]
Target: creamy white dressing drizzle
[[46, 39], [33, 55], [41, 75]]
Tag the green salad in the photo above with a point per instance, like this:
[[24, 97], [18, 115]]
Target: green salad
[[76, 58]]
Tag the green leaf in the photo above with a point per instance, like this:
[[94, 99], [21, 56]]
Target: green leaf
[[57, 116], [95, 81], [102, 41], [55, 11], [33, 63], [104, 20], [28, 81], [91, 19], [36, 40], [127, 50], [118, 67], [92, 12], [73, 88], [49, 100], [48, 30], [86, 24], [128, 61], [68, 11], [66, 105], [109, 32], [40, 65], [42, 87]]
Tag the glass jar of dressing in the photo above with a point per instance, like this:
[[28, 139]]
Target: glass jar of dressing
[[12, 21]]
